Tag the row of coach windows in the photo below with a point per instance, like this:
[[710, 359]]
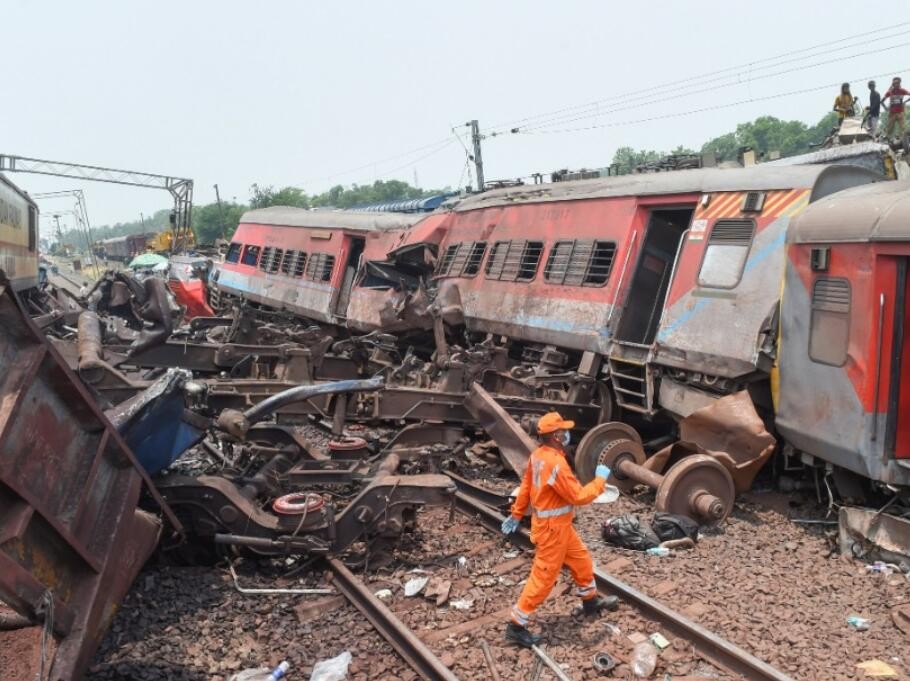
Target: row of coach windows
[[316, 266], [577, 262]]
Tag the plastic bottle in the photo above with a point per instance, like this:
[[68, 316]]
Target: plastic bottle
[[262, 673], [658, 551], [644, 659], [858, 623]]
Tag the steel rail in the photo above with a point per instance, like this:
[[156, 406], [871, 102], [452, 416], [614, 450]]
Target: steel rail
[[726, 655], [414, 651]]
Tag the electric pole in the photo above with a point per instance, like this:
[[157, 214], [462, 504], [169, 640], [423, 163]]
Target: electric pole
[[478, 158], [59, 235], [220, 212]]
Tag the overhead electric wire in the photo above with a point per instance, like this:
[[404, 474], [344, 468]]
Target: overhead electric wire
[[448, 143], [376, 163], [581, 111], [714, 107], [731, 69], [712, 88]]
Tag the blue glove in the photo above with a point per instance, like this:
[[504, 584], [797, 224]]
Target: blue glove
[[602, 472], [509, 525]]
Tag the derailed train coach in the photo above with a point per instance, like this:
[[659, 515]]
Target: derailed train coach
[[299, 260], [18, 236], [842, 393], [649, 294], [663, 287]]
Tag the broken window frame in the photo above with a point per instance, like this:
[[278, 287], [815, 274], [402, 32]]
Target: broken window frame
[[829, 321], [590, 273], [725, 241], [519, 261]]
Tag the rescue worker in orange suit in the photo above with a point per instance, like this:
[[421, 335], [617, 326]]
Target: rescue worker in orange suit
[[551, 491]]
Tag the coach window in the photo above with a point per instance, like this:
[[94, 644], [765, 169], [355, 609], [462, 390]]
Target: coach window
[[266, 258], [251, 255], [514, 260], [829, 326], [462, 259], [445, 263], [299, 264], [320, 267], [475, 253], [275, 261], [233, 253], [725, 256], [287, 262], [582, 262]]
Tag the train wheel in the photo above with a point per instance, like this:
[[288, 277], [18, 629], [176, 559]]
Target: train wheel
[[607, 444]]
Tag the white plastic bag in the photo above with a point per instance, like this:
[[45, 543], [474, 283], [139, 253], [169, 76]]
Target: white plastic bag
[[335, 669]]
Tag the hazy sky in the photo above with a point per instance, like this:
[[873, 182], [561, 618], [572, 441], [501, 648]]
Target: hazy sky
[[298, 93]]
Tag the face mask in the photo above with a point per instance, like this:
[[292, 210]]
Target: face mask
[[566, 438]]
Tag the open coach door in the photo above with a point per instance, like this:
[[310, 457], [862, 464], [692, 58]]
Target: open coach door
[[352, 262], [641, 311]]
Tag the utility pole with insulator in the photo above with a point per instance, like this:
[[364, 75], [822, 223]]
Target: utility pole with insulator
[[478, 158], [220, 212]]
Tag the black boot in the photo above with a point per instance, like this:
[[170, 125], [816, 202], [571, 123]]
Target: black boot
[[594, 606], [521, 636]]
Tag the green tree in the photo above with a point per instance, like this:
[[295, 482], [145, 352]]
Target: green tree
[[381, 191], [263, 197], [767, 133], [626, 159], [207, 221]]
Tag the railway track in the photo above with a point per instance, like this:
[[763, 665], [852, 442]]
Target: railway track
[[418, 656], [428, 666], [724, 654]]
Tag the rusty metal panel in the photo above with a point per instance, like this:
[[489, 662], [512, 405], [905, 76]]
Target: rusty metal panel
[[69, 487], [514, 444]]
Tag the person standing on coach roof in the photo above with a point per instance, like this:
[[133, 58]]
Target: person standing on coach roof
[[895, 96], [875, 108], [551, 490], [843, 103]]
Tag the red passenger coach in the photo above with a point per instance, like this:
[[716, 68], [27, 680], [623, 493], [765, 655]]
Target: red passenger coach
[[844, 381], [661, 284], [299, 260]]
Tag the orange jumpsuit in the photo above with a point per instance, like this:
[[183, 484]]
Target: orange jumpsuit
[[552, 491]]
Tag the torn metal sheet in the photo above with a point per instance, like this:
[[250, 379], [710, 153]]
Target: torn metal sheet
[[867, 533], [156, 424], [70, 530], [731, 431]]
